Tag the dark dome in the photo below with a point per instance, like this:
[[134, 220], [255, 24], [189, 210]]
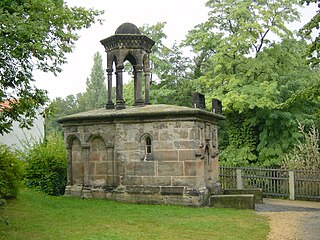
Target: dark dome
[[127, 28]]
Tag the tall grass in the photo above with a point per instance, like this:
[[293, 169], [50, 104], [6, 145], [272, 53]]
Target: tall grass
[[34, 215]]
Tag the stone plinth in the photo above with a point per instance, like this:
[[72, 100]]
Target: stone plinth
[[237, 201], [152, 154]]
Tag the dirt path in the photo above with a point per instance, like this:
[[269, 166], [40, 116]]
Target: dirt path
[[292, 220]]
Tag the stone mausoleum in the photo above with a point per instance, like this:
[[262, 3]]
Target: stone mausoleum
[[156, 154]]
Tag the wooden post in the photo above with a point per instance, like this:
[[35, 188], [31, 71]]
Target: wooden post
[[239, 178], [291, 185]]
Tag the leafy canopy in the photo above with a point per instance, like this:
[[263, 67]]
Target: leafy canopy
[[34, 34], [247, 57], [308, 28]]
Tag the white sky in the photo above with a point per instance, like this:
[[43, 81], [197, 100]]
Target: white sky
[[180, 16]]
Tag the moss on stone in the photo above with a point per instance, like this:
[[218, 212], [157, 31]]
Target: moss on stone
[[159, 111]]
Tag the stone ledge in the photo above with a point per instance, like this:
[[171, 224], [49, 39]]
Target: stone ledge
[[159, 112], [237, 201], [172, 190], [258, 198], [142, 190]]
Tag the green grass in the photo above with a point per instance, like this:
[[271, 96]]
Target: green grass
[[37, 216]]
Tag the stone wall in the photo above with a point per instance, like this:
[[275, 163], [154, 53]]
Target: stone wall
[[160, 160]]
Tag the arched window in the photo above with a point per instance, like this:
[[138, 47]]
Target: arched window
[[148, 145]]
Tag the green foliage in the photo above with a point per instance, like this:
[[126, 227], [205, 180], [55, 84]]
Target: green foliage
[[128, 91], [238, 141], [306, 151], [94, 97], [34, 34], [10, 172], [46, 165], [96, 94], [307, 29], [172, 79], [60, 107], [264, 84]]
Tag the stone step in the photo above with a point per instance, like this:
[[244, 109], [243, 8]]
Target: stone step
[[237, 201]]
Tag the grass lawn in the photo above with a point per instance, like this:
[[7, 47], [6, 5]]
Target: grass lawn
[[36, 216]]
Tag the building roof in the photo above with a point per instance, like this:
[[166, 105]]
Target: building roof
[[128, 28], [156, 112], [6, 104]]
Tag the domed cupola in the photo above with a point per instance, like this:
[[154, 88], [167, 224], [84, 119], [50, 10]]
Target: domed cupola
[[128, 44]]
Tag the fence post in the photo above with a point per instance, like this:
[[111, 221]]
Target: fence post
[[239, 178], [291, 185]]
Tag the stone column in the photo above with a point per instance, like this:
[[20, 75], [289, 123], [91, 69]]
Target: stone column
[[119, 88], [147, 86], [69, 166], [134, 83], [69, 171], [138, 91], [85, 157], [86, 190], [109, 104]]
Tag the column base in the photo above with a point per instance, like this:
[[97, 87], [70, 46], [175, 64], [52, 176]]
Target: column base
[[139, 103], [120, 105], [110, 105]]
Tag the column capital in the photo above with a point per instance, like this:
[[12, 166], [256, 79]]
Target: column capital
[[85, 146], [119, 67], [138, 67]]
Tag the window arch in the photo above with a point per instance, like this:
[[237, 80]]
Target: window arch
[[146, 147]]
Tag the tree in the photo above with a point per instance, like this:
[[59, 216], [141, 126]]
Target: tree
[[240, 62], [96, 92], [313, 24], [58, 108], [94, 97], [172, 69], [34, 34]]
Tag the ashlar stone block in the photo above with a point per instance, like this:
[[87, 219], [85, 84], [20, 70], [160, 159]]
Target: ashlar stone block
[[170, 168], [140, 168], [190, 168], [187, 155], [157, 181], [169, 155]]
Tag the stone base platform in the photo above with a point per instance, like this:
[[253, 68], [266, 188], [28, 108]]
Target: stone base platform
[[170, 195]]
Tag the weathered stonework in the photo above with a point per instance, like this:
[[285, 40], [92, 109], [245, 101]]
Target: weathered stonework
[[143, 154], [108, 156]]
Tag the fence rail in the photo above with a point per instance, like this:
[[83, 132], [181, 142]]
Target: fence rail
[[295, 184]]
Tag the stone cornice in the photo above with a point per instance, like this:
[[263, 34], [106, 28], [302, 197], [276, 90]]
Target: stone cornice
[[129, 41], [147, 113]]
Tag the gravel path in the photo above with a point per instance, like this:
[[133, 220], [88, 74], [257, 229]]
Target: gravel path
[[291, 220]]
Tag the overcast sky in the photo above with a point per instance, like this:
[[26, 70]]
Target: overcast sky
[[180, 16]]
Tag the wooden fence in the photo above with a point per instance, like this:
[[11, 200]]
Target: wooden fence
[[296, 184]]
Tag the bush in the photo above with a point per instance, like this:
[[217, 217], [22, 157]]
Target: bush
[[10, 172], [46, 167], [306, 152]]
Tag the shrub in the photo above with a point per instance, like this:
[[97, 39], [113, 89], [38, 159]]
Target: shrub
[[46, 167], [10, 172], [306, 152]]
